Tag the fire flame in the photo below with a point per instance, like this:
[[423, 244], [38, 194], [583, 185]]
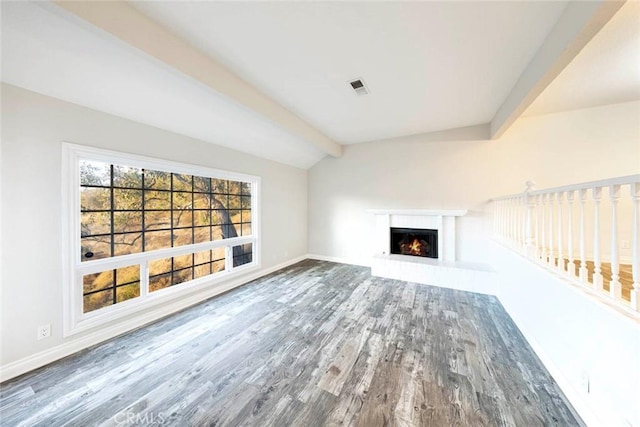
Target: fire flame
[[415, 247], [412, 245]]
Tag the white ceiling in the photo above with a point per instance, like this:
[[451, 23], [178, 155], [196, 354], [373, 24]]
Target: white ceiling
[[430, 66], [606, 71]]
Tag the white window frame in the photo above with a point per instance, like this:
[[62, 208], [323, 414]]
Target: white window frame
[[74, 319]]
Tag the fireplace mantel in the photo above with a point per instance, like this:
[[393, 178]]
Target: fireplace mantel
[[417, 212]]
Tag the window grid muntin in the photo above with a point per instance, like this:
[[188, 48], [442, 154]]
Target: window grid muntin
[[246, 256], [108, 288], [171, 274], [241, 194], [112, 288], [225, 195]]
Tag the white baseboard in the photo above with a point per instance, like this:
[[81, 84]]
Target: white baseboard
[[339, 260], [76, 344]]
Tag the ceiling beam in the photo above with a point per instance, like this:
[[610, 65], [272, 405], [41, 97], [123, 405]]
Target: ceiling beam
[[578, 24], [136, 29], [467, 133]]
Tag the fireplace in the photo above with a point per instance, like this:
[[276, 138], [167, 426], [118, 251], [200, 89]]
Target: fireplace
[[438, 229], [414, 241]]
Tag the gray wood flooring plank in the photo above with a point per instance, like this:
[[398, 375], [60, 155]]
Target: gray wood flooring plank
[[314, 344], [340, 368]]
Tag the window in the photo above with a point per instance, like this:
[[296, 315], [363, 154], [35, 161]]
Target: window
[[139, 228]]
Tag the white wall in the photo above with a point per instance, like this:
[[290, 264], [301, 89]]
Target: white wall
[[33, 127], [413, 172], [578, 338]]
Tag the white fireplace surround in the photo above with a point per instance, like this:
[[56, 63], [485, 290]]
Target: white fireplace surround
[[445, 271], [441, 220]]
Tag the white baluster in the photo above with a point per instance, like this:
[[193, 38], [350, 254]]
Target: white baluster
[[509, 219], [571, 267], [583, 273], [536, 234], [560, 263], [520, 223], [527, 224], [615, 287], [597, 272], [543, 211], [503, 219], [499, 223], [499, 219], [635, 237], [516, 221], [507, 205], [494, 226], [529, 204], [552, 258], [523, 222]]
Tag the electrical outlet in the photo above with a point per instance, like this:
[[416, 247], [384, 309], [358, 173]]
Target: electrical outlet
[[625, 244], [584, 382], [44, 331]]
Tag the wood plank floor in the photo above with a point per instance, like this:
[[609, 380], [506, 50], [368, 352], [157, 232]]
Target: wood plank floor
[[315, 344]]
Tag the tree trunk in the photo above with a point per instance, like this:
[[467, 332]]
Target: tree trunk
[[229, 231]]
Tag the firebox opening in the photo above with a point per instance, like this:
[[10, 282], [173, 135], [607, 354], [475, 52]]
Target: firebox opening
[[414, 242]]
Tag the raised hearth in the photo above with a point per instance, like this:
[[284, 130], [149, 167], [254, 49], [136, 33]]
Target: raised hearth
[[419, 245]]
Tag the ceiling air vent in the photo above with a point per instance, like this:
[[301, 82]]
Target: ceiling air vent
[[359, 87]]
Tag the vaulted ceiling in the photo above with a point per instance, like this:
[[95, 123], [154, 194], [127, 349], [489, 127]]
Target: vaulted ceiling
[[429, 66], [271, 78]]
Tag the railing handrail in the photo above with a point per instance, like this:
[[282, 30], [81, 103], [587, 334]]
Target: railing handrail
[[621, 180], [541, 224]]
